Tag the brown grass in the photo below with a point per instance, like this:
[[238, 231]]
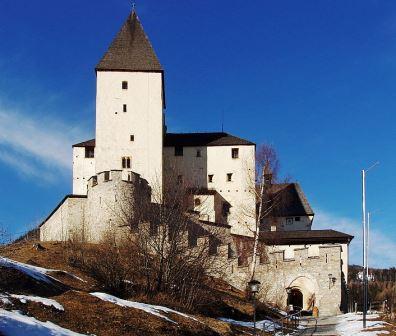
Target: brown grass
[[87, 314]]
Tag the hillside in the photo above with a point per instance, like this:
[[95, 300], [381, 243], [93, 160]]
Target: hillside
[[381, 287], [37, 281]]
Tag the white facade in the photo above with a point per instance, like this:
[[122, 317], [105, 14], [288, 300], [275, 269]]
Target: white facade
[[83, 169], [210, 170], [129, 123]]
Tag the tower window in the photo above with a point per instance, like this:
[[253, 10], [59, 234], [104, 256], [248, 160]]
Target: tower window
[[179, 179], [126, 162], [210, 178], [297, 219], [179, 151], [235, 153], [199, 153], [124, 107], [229, 177], [106, 175], [125, 85], [132, 137], [197, 202]]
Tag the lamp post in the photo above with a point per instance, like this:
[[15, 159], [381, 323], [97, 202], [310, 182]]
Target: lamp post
[[254, 288], [365, 251]]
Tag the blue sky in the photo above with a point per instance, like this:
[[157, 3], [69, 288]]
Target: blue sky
[[316, 79]]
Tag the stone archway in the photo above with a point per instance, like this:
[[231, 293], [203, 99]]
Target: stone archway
[[309, 291], [295, 298]]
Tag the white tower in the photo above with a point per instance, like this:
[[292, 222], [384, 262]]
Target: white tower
[[129, 106]]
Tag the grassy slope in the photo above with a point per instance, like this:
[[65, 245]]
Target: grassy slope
[[87, 314]]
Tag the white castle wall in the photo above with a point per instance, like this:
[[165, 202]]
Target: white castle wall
[[65, 221], [143, 120], [108, 206], [83, 169], [114, 203]]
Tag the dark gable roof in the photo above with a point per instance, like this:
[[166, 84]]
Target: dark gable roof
[[297, 237], [88, 143], [304, 237], [203, 139], [130, 50], [288, 200], [191, 139]]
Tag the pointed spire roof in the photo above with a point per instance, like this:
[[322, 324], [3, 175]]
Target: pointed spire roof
[[130, 50]]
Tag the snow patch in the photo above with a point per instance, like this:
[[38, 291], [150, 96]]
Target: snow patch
[[38, 273], [264, 325], [34, 272], [4, 299], [44, 301], [16, 324], [151, 309], [351, 325]]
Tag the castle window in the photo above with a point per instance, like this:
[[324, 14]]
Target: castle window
[[178, 150], [289, 221], [210, 178], [89, 152], [124, 108], [197, 202], [124, 85], [226, 209], [235, 153], [94, 180], [132, 137], [288, 253], [229, 177], [126, 162], [179, 179], [106, 175], [297, 219], [199, 153]]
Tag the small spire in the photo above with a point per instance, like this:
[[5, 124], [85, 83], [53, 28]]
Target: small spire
[[133, 6]]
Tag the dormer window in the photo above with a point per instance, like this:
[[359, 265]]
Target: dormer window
[[125, 85], [89, 152]]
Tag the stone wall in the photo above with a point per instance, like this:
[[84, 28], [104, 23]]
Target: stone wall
[[66, 219], [309, 274], [111, 204]]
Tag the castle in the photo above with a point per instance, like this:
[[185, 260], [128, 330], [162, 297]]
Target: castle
[[134, 158]]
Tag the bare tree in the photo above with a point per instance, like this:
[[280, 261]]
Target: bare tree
[[155, 247], [267, 169]]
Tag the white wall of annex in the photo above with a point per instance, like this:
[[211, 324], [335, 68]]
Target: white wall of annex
[[218, 161], [83, 169]]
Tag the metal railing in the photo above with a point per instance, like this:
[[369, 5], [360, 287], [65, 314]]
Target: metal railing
[[289, 324]]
